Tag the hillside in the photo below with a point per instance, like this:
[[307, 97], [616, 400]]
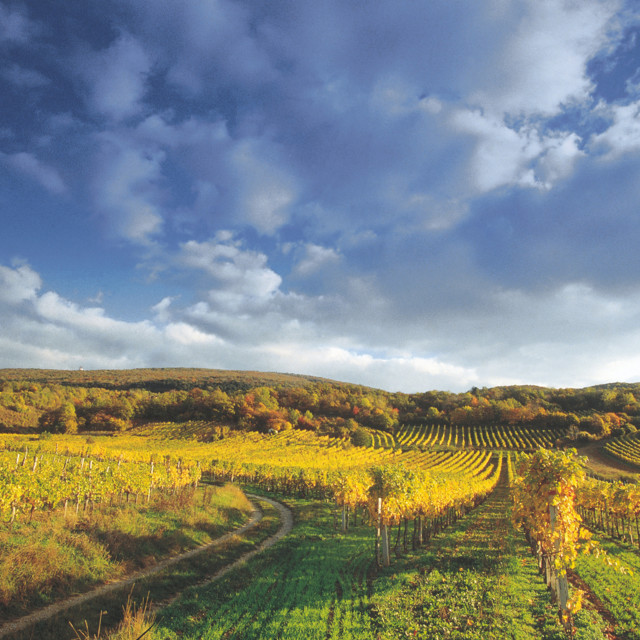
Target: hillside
[[117, 400], [157, 379]]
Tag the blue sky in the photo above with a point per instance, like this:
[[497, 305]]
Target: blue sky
[[409, 195]]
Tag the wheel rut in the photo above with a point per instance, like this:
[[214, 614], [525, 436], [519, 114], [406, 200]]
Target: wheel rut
[[286, 525]]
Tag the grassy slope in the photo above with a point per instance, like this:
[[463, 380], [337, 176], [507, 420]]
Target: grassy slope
[[54, 556], [114, 609]]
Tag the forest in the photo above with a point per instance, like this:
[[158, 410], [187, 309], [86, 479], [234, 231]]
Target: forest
[[56, 401]]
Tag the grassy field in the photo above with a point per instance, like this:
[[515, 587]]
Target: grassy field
[[314, 584], [477, 579]]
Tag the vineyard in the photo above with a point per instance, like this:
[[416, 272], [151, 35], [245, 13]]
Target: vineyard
[[486, 437], [626, 448], [522, 544], [45, 474]]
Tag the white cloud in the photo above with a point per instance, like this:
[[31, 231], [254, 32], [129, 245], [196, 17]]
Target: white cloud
[[553, 338], [268, 190], [184, 334], [162, 309], [19, 283], [623, 135], [391, 372], [315, 258], [543, 65], [238, 273], [92, 321], [509, 156], [29, 165], [502, 155], [558, 160]]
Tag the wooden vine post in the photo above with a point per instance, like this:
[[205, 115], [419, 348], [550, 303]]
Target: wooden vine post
[[378, 529], [384, 535], [559, 582]]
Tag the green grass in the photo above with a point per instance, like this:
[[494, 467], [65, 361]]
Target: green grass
[[619, 592], [312, 585], [107, 611], [53, 557], [476, 580]]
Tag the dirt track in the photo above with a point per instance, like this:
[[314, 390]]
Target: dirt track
[[47, 612]]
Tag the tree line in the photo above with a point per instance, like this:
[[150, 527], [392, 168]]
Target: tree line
[[101, 401]]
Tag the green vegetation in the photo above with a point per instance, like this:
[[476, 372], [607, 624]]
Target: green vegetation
[[313, 585], [619, 591], [400, 529], [477, 580], [626, 448], [55, 555], [114, 401]]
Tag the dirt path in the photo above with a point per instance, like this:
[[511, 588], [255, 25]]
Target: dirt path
[[286, 525]]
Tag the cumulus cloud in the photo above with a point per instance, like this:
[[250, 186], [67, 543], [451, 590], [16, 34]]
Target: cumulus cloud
[[502, 155], [558, 160], [87, 336], [239, 273], [184, 334], [623, 135], [521, 156], [548, 337], [316, 257], [19, 283]]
